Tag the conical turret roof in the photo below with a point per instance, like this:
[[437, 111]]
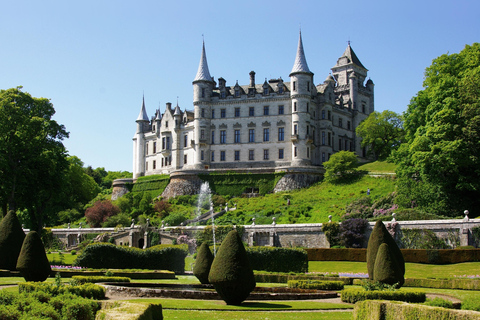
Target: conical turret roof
[[177, 111], [300, 64], [203, 73], [351, 56], [143, 112]]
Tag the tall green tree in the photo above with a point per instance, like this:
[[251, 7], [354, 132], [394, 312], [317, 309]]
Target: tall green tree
[[439, 165], [382, 133], [341, 166], [31, 153]]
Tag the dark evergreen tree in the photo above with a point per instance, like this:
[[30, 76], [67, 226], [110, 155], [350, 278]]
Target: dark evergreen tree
[[387, 269], [203, 263], [32, 261], [378, 236], [11, 240], [231, 273]]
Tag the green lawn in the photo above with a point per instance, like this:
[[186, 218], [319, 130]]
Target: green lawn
[[68, 258], [252, 315], [378, 167]]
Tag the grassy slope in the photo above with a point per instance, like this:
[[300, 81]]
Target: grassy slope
[[378, 167]]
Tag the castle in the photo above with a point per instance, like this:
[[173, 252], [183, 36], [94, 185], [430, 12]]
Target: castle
[[259, 127]]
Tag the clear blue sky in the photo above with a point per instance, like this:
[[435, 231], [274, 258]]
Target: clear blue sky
[[95, 59]]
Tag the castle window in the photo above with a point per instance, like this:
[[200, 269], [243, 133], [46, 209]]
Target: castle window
[[237, 155], [323, 156], [185, 159], [146, 148], [155, 147], [265, 91], [146, 166], [308, 86], [346, 145], [237, 93], [281, 134], [203, 92], [185, 141], [295, 129], [223, 136], [222, 155], [308, 152], [329, 115], [153, 128], [251, 154], [162, 162], [251, 111], [295, 106], [222, 94], [213, 137], [213, 114], [237, 112], [170, 160], [163, 143], [237, 136], [323, 114], [295, 152], [202, 134], [340, 122], [339, 144], [329, 156], [281, 110], [154, 164], [266, 110], [203, 113], [348, 125], [294, 85], [280, 89], [202, 155], [308, 130], [251, 135], [213, 156], [363, 107], [323, 137], [168, 143], [265, 154], [329, 138], [266, 134], [307, 106], [280, 153], [222, 113]]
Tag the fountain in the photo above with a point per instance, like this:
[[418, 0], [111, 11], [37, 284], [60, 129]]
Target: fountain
[[205, 201]]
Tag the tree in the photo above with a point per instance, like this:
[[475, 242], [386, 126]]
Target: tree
[[31, 153], [439, 165], [203, 263], [382, 133], [341, 166], [32, 261], [100, 212], [11, 240]]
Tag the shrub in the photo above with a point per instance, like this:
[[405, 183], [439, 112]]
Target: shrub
[[78, 280], [386, 268], [316, 284], [203, 263], [331, 230], [355, 295], [471, 304], [341, 167], [379, 236], [439, 302], [285, 277], [352, 232], [463, 284], [117, 220], [11, 240], [359, 208], [88, 290], [32, 261], [337, 254], [231, 273], [100, 212], [275, 259]]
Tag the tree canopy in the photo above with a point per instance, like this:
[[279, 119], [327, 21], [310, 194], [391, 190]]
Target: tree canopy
[[439, 165], [381, 133], [341, 166]]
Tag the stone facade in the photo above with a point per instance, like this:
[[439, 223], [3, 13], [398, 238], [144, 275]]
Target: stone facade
[[273, 124]]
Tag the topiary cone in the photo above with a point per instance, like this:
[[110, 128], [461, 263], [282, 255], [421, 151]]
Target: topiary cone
[[378, 236], [11, 240], [231, 273], [203, 263], [387, 269], [32, 261]]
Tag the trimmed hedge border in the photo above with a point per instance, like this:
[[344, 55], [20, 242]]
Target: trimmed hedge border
[[463, 284], [355, 295], [130, 311], [434, 256], [316, 284], [285, 277], [153, 274], [277, 259], [107, 255], [88, 290], [97, 279], [403, 311]]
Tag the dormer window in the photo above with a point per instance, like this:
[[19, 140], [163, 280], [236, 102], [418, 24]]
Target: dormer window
[[280, 90], [265, 91], [222, 94], [237, 93]]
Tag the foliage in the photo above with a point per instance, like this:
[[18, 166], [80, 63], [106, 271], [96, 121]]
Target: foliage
[[439, 302], [355, 295], [231, 273], [221, 231], [476, 236], [378, 167], [234, 184], [438, 166], [105, 255], [352, 232], [341, 167], [203, 263], [381, 133], [88, 290], [427, 239], [163, 208], [277, 259], [283, 277], [100, 212], [153, 184], [369, 285], [471, 304], [394, 271], [11, 240], [33, 158], [32, 261], [331, 230], [316, 284], [78, 280], [118, 220]]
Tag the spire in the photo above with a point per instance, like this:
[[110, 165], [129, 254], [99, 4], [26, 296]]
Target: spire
[[300, 64], [203, 73], [351, 56], [143, 113]]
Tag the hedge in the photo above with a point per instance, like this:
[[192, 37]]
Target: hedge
[[316, 284], [276, 259], [88, 290], [234, 184], [285, 277], [355, 295], [402, 311], [97, 279], [433, 256], [107, 255], [463, 284], [155, 184]]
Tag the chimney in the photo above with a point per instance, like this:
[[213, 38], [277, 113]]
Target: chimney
[[252, 78]]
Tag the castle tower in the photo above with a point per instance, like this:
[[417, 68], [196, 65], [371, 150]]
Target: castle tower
[[139, 142], [203, 85], [301, 82]]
